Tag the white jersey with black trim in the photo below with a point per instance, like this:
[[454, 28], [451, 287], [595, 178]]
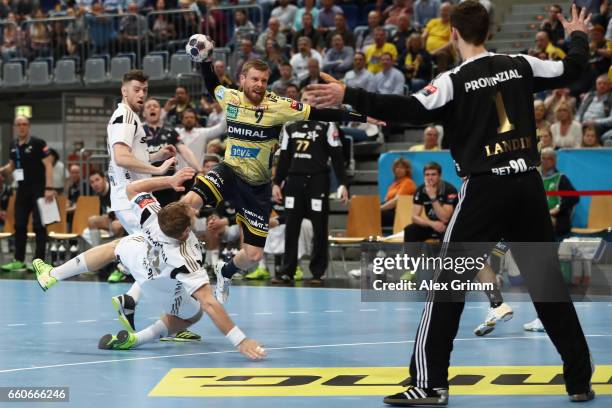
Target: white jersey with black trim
[[125, 127], [166, 257]]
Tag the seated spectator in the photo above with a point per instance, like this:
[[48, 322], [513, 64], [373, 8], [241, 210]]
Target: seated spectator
[[341, 28], [401, 35], [175, 106], [590, 138], [11, 39], [327, 12], [309, 8], [213, 110], [224, 78], [399, 8], [279, 86], [101, 29], [314, 74], [243, 28], [552, 25], [74, 188], [163, 27], [600, 53], [595, 109], [59, 172], [106, 220], [437, 38], [430, 141], [5, 10], [293, 92], [366, 38], [245, 54], [417, 63], [196, 138], [425, 10], [560, 208], [566, 131], [114, 6], [556, 98], [308, 30], [285, 14], [433, 206], [359, 76], [375, 51], [299, 61], [546, 139], [390, 80], [216, 147], [539, 109], [543, 45], [273, 33], [39, 36], [338, 59], [133, 28], [274, 57], [362, 132], [402, 185]]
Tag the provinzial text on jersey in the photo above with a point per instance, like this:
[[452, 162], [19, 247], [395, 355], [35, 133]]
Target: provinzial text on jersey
[[492, 81]]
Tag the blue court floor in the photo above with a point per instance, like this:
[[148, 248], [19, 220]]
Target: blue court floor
[[326, 349]]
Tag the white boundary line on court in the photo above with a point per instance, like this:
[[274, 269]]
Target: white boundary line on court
[[206, 353]]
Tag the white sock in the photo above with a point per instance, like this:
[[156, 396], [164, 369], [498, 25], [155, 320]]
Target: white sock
[[154, 332], [134, 292], [73, 267]]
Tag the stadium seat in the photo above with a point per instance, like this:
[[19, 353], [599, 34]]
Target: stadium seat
[[119, 67], [180, 63], [351, 13], [363, 222], [164, 54], [600, 216], [86, 206], [153, 65], [13, 74], [94, 71], [65, 72], [130, 55], [403, 213], [39, 73]]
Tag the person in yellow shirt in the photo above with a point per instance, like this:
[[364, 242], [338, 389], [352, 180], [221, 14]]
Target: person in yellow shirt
[[543, 44], [436, 37], [373, 52], [402, 185], [430, 141]]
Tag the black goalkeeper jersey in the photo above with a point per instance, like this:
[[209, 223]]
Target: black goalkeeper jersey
[[485, 106]]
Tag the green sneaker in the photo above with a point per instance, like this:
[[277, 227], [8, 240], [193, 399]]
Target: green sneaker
[[43, 274], [299, 274], [116, 276], [259, 273], [124, 306], [123, 341], [183, 336], [15, 265]]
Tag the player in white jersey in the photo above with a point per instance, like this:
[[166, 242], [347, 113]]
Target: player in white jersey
[[129, 162], [165, 258]]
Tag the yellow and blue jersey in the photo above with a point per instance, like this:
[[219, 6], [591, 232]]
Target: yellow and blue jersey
[[253, 131]]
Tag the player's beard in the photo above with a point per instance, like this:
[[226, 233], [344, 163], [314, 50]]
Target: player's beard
[[253, 97]]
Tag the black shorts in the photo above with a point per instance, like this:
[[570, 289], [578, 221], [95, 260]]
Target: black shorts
[[252, 203]]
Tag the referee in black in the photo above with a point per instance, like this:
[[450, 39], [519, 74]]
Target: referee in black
[[486, 107], [306, 147], [31, 166]]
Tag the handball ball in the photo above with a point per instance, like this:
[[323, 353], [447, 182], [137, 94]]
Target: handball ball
[[199, 47]]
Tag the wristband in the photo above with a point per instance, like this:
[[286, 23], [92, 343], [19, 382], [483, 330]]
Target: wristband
[[235, 336]]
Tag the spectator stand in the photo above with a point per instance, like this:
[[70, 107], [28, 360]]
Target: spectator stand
[[218, 23]]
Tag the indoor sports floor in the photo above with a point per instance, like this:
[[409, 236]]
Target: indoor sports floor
[[326, 349]]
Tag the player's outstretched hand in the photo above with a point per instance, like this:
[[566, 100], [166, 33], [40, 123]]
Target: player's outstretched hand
[[329, 94], [376, 122], [579, 22], [277, 194], [252, 349], [180, 177], [168, 151], [166, 165]]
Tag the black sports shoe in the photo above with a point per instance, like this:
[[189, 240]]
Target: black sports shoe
[[418, 396], [584, 397], [283, 280], [125, 306]]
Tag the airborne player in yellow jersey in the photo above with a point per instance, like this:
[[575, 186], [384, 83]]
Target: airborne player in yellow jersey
[[255, 118]]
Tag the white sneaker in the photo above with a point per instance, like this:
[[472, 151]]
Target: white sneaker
[[502, 313], [223, 283], [355, 273], [534, 326]]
